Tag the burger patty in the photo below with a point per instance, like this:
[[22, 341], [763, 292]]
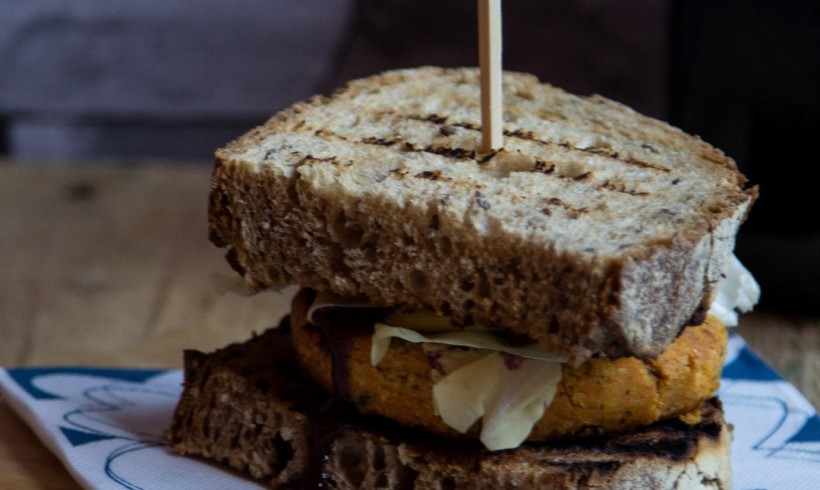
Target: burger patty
[[598, 397]]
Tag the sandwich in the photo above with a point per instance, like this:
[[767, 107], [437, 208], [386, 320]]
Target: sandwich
[[550, 314]]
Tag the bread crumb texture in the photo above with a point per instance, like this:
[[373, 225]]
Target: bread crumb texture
[[593, 229]]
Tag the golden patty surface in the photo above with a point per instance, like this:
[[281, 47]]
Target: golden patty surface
[[597, 397]]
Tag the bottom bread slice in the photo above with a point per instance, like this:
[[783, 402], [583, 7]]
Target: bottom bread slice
[[248, 406]]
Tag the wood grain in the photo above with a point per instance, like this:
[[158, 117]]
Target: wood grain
[[791, 346], [109, 265], [489, 61], [102, 263], [24, 462]]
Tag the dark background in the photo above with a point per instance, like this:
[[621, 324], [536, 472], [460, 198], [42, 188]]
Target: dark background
[[83, 80]]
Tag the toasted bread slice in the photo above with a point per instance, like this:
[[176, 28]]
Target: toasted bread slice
[[248, 406], [594, 230]]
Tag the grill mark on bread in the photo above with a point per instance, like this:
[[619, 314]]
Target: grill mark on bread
[[540, 166], [489, 156], [641, 163], [310, 158], [614, 155], [544, 167], [372, 140], [446, 151], [595, 150], [572, 212], [433, 118], [451, 152], [466, 125], [622, 188], [530, 136]]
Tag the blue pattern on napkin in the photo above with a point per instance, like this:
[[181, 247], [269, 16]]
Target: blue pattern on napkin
[[25, 377], [748, 365], [79, 437], [106, 425], [810, 432]]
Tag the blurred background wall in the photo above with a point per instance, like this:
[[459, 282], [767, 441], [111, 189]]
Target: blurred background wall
[[177, 78], [160, 78], [87, 79]]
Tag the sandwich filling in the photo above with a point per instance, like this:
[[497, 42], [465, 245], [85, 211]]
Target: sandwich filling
[[516, 384], [477, 373]]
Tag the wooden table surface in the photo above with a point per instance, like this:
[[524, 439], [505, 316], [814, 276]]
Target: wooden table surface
[[109, 265]]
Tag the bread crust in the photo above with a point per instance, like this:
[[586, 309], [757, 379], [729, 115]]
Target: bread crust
[[595, 230], [246, 406]]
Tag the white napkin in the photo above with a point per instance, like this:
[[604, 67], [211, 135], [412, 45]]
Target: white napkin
[[777, 431], [106, 426]]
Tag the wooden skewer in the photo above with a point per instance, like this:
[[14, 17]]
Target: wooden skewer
[[489, 54]]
